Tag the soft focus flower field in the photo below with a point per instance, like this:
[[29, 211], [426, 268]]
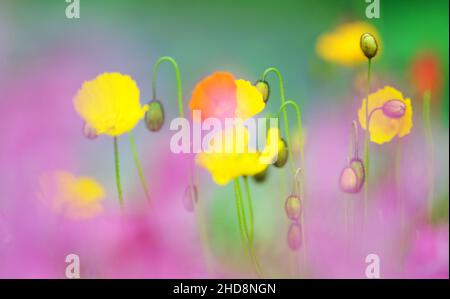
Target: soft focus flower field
[[87, 167]]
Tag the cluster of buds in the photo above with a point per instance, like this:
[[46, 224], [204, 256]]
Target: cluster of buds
[[283, 153], [353, 175], [293, 208]]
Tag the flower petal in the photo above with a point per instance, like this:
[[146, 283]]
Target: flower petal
[[215, 96], [110, 104], [249, 100], [341, 46], [383, 128]]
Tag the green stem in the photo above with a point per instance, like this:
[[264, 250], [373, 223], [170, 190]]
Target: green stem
[[238, 210], [366, 143], [300, 128], [139, 168], [243, 214], [249, 203], [429, 138], [178, 79], [283, 100], [244, 227], [200, 215], [116, 160]]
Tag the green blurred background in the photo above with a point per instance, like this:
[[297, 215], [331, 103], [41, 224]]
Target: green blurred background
[[240, 36]]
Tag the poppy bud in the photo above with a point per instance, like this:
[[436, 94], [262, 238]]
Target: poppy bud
[[293, 207], [154, 117], [394, 108], [294, 236], [282, 154], [190, 198], [352, 177], [263, 87], [261, 177], [89, 132], [369, 45]]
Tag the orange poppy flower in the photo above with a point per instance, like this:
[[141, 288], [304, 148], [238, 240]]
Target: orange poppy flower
[[222, 96], [426, 73]]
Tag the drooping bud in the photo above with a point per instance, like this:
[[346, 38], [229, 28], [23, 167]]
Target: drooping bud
[[352, 177], [369, 45], [190, 198], [293, 207], [394, 108], [154, 117], [263, 87], [282, 154], [89, 132], [294, 236], [261, 177]]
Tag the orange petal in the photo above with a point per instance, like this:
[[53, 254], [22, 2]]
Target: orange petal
[[215, 96]]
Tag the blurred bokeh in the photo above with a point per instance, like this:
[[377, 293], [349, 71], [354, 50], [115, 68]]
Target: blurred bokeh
[[45, 58]]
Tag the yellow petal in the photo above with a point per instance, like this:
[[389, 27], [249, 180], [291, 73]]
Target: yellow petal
[[383, 128], [249, 100], [110, 104], [273, 144], [75, 197], [342, 46], [229, 157]]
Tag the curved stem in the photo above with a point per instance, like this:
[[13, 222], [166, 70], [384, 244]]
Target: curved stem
[[429, 138], [300, 128], [139, 168], [283, 100], [116, 160], [366, 143], [178, 79], [302, 161]]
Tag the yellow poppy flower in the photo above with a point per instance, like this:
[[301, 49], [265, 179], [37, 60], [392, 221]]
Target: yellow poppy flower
[[229, 157], [75, 197], [342, 46], [110, 104], [391, 115]]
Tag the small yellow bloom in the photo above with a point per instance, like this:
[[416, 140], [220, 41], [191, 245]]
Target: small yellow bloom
[[110, 104], [383, 124], [229, 157], [75, 197], [342, 46]]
